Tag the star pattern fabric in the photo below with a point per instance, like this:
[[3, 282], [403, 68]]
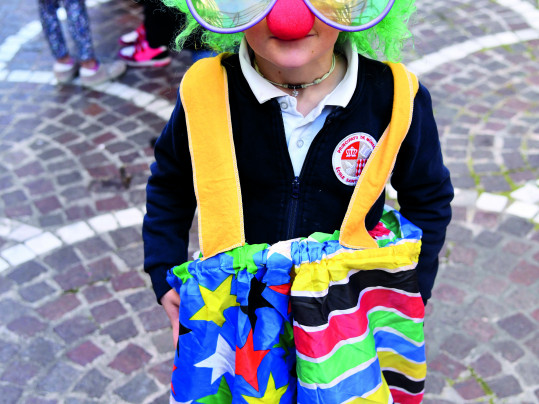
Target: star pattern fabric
[[221, 361], [248, 360], [303, 321], [271, 395], [223, 395], [215, 302]]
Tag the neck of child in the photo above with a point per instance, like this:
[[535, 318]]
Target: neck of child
[[308, 98]]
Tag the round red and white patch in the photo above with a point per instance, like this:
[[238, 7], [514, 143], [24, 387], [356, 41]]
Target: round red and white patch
[[351, 155]]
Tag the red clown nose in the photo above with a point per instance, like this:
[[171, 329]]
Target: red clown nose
[[290, 19]]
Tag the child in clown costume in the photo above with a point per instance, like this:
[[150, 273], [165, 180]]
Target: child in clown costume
[[284, 147]]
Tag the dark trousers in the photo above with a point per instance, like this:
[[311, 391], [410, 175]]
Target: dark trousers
[[162, 25]]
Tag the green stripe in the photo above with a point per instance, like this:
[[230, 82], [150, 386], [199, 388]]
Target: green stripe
[[380, 318], [345, 358]]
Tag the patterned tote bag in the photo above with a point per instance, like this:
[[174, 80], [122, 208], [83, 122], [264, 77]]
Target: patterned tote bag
[[331, 318]]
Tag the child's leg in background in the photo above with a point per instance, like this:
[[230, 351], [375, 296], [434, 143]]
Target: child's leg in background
[[52, 28], [79, 28]]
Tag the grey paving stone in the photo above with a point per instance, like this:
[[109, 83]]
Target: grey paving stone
[[73, 279], [59, 378], [529, 372], [136, 390], [27, 272], [62, 259], [509, 350], [36, 292], [141, 300], [124, 237], [488, 238], [41, 351], [93, 384], [93, 248], [505, 386], [128, 280], [102, 269], [78, 212], [459, 345], [516, 226], [11, 309], [163, 342], [132, 256], [20, 372], [57, 308], [163, 399], [435, 383], [26, 326], [154, 319], [85, 353], [533, 344], [9, 394], [73, 329], [486, 366], [121, 330], [494, 183], [77, 400], [53, 220], [517, 325], [7, 350], [94, 293], [486, 168], [107, 311], [38, 400], [469, 389]]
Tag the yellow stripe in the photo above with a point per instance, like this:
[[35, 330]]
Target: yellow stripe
[[316, 276], [417, 371], [376, 172], [381, 395], [204, 95]]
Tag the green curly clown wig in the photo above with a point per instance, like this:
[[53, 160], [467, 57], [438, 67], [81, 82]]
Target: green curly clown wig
[[384, 40]]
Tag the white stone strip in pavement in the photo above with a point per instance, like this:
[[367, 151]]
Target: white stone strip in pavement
[[460, 51], [525, 9], [28, 241]]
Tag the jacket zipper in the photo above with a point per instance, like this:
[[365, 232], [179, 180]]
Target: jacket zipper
[[293, 209], [292, 216]]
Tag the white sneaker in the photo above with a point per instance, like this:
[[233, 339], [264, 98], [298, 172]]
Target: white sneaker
[[65, 72], [104, 72]]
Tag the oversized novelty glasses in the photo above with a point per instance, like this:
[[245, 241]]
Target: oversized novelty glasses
[[230, 16]]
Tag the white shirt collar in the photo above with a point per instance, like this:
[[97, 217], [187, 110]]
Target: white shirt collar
[[264, 91]]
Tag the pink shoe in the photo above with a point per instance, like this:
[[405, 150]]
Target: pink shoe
[[141, 54], [133, 37]]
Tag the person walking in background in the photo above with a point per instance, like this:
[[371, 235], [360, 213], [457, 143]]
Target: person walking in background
[[65, 68], [148, 45]]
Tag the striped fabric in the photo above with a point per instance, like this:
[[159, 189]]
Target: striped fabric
[[305, 321]]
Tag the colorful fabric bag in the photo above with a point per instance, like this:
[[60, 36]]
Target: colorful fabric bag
[[326, 319]]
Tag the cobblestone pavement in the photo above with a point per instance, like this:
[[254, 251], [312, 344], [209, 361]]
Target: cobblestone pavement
[[78, 322]]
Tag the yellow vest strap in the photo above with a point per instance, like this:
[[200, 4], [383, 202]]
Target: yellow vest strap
[[376, 172], [204, 95]]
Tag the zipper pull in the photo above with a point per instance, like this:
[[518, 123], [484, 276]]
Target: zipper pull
[[295, 188]]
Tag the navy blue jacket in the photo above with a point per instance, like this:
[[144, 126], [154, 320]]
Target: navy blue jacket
[[277, 205]]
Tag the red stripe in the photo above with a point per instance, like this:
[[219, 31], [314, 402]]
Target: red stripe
[[402, 397], [341, 327]]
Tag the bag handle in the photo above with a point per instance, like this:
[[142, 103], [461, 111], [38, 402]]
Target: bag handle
[[204, 95], [376, 172]]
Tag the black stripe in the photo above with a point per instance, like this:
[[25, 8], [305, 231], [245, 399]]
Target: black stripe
[[395, 379], [314, 311]]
